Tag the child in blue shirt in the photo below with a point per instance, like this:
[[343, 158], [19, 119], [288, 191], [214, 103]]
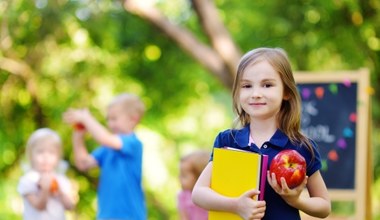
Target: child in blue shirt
[[268, 107], [120, 193]]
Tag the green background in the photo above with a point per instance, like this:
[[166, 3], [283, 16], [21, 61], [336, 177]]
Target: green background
[[80, 53]]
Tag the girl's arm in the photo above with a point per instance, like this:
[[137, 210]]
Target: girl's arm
[[67, 200], [318, 203], [40, 199], [208, 199]]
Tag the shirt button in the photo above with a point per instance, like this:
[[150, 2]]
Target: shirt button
[[265, 146]]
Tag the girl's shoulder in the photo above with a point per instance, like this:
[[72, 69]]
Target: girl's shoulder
[[30, 176], [233, 131], [232, 138], [310, 148], [28, 182], [227, 135]]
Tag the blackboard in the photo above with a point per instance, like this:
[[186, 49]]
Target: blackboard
[[329, 118], [335, 114]]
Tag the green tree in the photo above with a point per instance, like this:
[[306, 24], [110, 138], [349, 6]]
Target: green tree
[[179, 56]]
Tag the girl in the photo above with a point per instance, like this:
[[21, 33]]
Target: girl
[[191, 167], [46, 193], [268, 106]]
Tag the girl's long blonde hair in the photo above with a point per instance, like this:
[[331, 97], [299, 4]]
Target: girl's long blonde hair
[[289, 116]]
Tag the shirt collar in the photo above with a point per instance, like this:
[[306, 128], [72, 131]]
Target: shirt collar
[[279, 138]]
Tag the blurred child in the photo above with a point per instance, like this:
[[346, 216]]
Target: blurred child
[[46, 192], [120, 193], [191, 166]]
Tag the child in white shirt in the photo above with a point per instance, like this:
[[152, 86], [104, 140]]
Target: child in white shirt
[[46, 193]]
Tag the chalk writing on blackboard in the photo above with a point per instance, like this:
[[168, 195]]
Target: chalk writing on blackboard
[[329, 119]]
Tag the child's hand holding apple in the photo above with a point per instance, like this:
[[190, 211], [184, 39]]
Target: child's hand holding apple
[[291, 166]]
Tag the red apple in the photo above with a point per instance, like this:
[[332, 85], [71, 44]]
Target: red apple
[[79, 127], [291, 165], [54, 186]]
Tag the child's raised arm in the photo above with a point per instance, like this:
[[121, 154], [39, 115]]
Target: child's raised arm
[[83, 160], [100, 133], [208, 199]]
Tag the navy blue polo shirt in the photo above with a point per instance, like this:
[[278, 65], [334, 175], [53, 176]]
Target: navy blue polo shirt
[[276, 207]]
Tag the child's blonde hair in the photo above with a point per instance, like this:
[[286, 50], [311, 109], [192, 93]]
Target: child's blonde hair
[[130, 103], [42, 134], [198, 160]]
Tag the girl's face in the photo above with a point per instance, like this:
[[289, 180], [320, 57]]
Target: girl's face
[[261, 91], [45, 156], [187, 177]]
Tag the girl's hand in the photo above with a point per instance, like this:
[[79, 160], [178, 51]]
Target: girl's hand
[[45, 181], [289, 195], [54, 187], [248, 208]]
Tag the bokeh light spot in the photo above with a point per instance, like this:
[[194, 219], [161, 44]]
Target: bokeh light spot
[[8, 157], [152, 52]]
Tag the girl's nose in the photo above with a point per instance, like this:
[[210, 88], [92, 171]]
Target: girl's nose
[[256, 92]]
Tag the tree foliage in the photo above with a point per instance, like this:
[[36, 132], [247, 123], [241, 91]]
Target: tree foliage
[[179, 56]]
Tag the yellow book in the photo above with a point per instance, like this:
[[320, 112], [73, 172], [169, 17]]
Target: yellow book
[[234, 172]]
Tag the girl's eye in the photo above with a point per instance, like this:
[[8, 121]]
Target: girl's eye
[[267, 85], [246, 86]]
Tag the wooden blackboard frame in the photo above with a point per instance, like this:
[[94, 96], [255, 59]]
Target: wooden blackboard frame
[[360, 195]]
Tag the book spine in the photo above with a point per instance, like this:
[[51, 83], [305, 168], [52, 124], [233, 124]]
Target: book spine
[[264, 167]]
